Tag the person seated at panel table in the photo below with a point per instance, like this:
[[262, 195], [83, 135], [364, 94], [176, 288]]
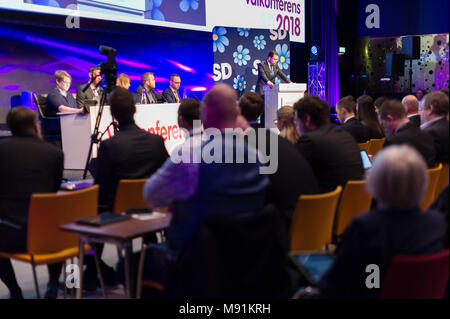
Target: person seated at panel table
[[123, 81], [28, 165], [171, 94], [397, 180], [92, 89], [60, 100], [145, 93]]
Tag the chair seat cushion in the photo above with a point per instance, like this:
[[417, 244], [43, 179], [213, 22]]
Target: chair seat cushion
[[43, 259]]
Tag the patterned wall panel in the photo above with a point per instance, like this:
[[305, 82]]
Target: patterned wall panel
[[430, 72]]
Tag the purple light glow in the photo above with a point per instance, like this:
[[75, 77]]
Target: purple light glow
[[199, 89], [157, 78], [11, 87], [7, 69], [182, 67]]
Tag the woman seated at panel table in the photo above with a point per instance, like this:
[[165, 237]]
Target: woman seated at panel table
[[60, 100], [123, 81]]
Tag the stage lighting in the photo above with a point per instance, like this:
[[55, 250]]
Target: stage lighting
[[314, 53], [341, 50]]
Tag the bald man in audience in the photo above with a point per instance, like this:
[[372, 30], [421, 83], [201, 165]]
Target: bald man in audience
[[399, 130], [435, 122], [411, 105]]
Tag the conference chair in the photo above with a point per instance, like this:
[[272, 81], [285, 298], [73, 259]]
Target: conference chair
[[354, 201], [364, 146], [129, 195], [46, 243], [375, 145], [416, 277], [443, 179], [234, 256], [312, 222], [50, 125], [430, 193]]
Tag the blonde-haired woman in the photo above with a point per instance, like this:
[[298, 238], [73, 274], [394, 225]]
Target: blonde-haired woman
[[286, 124], [123, 81]]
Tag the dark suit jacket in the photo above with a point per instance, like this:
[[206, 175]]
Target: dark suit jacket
[[56, 99], [86, 95], [375, 238], [333, 155], [130, 154], [416, 138], [27, 165], [415, 119], [138, 96], [264, 76], [439, 132], [169, 97], [293, 177], [357, 130]]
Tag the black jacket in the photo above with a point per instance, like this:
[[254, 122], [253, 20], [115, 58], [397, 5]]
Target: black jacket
[[169, 97], [130, 154], [439, 132], [357, 130], [27, 165], [416, 138], [375, 238], [415, 119], [149, 96], [333, 155], [264, 76]]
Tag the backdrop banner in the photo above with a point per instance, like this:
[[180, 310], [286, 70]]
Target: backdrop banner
[[237, 52]]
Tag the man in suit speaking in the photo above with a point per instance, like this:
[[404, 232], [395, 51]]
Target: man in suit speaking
[[267, 72]]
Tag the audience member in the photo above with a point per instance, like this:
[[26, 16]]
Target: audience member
[[444, 90], [412, 109], [203, 189], [90, 90], [293, 169], [345, 109], [188, 112], [331, 151], [123, 81], [286, 124], [365, 110], [400, 130], [28, 165], [420, 93], [60, 100], [171, 94], [435, 123], [378, 102], [145, 93], [132, 153], [397, 180]]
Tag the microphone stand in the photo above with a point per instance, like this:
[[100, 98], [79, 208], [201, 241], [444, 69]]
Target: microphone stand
[[95, 138]]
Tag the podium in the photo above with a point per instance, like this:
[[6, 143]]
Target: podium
[[281, 94], [76, 130]]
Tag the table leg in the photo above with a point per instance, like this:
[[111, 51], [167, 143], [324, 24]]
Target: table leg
[[128, 284], [80, 267]]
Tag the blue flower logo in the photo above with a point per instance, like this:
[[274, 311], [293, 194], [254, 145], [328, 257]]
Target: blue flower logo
[[259, 42], [278, 81], [284, 56], [243, 31], [156, 13], [239, 83], [185, 4], [220, 41], [241, 56]]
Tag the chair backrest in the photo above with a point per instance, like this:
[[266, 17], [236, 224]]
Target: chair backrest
[[416, 277], [364, 146], [443, 180], [235, 256], [375, 145], [129, 195], [41, 104], [312, 222], [355, 200], [430, 193], [49, 211]]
